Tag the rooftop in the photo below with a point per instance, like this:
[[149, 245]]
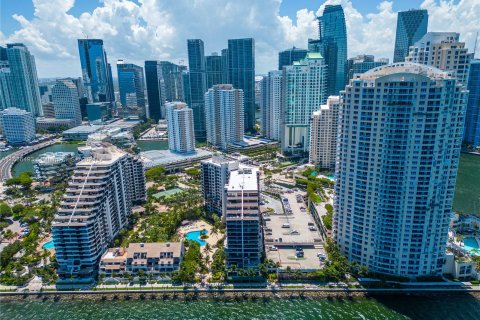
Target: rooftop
[[154, 249], [245, 178], [103, 154], [154, 158], [405, 67]]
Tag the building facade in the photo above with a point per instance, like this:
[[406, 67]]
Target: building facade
[[272, 104], [24, 80], [411, 27], [362, 63], [99, 112], [323, 134], [181, 137], [400, 131], [66, 102], [214, 70], [241, 75], [131, 85], [96, 71], [215, 175], [243, 245], [18, 126], [472, 118], [304, 91], [54, 166], [95, 207], [224, 110], [198, 84], [6, 95], [287, 57], [442, 50]]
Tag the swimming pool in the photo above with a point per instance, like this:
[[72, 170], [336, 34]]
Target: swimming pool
[[48, 245], [471, 244], [195, 236]]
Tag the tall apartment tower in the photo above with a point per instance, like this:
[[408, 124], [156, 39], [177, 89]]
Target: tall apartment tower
[[6, 87], [224, 111], [304, 85], [131, 85], [287, 57], [411, 27], [181, 136], [362, 63], [214, 70], [66, 102], [24, 80], [332, 44], [442, 50], [472, 118], [198, 84], [323, 134], [215, 175], [241, 74], [400, 132], [272, 104], [18, 126], [154, 91], [96, 71], [95, 207], [243, 246]]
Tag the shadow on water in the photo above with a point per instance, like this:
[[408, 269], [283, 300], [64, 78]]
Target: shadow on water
[[433, 306]]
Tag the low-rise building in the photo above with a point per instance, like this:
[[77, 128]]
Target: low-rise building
[[54, 166]]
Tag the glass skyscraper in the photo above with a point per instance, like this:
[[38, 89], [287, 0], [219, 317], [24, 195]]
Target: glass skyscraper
[[96, 71], [411, 27], [286, 57], [214, 70], [153, 82], [472, 119], [241, 74], [398, 147], [198, 85], [132, 88], [332, 44], [25, 93]]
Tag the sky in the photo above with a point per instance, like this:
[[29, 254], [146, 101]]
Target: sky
[[138, 30]]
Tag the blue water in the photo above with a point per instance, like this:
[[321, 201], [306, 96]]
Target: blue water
[[470, 244], [48, 245], [195, 236]]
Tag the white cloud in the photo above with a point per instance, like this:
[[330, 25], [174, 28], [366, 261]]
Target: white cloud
[[150, 29]]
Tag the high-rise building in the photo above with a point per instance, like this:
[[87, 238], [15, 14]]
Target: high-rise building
[[241, 74], [3, 54], [332, 45], [472, 118], [215, 175], [224, 111], [48, 110], [187, 94], [225, 68], [24, 80], [304, 85], [181, 137], [442, 50], [6, 95], [198, 84], [287, 57], [243, 245], [362, 63], [323, 134], [18, 126], [411, 27], [271, 104], [96, 71], [66, 102], [214, 70], [132, 85], [95, 207], [400, 132], [153, 81], [99, 111]]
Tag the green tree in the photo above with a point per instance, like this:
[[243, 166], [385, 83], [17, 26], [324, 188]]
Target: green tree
[[5, 210]]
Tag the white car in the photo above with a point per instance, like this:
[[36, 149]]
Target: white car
[[273, 248]]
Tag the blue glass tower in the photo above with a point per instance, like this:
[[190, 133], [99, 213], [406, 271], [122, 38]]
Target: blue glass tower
[[411, 27], [198, 85], [241, 74], [131, 87], [286, 57], [96, 71], [152, 79], [332, 44], [214, 70], [472, 118]]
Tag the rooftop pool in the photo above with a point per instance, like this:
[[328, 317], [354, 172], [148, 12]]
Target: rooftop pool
[[471, 244], [48, 245], [195, 236]]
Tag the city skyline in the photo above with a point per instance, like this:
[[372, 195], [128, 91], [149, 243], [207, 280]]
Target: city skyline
[[288, 24]]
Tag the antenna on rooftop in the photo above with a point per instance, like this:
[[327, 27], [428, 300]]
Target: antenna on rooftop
[[86, 35], [475, 47]]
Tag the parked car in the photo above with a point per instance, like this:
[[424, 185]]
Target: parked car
[[273, 248]]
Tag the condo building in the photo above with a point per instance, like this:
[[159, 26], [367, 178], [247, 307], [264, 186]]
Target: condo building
[[96, 206], [362, 63], [323, 134], [66, 101], [472, 118], [287, 57], [18, 126], [181, 137], [411, 27], [400, 132], [271, 104]]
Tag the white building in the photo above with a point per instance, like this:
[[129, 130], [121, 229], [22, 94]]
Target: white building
[[66, 101], [442, 50], [323, 134], [215, 175], [95, 207], [272, 99], [400, 133], [180, 127], [304, 85], [224, 113], [18, 126]]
